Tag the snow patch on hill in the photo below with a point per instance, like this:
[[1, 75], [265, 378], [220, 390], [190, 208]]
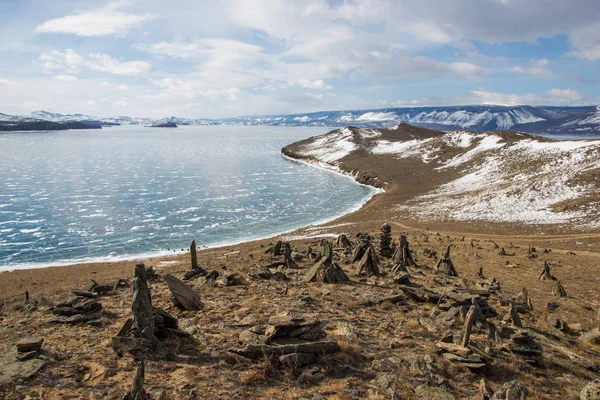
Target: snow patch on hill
[[331, 146]]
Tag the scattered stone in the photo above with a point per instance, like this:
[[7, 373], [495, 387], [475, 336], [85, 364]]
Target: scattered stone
[[193, 255], [369, 264], [12, 369], [592, 337], [326, 271], [524, 299], [512, 390], [77, 310], [505, 253], [385, 241], [591, 391], [361, 247], [287, 257], [29, 344], [193, 273], [137, 391], [525, 346], [295, 360], [343, 241], [184, 297], [265, 273], [551, 305], [485, 390], [403, 257]]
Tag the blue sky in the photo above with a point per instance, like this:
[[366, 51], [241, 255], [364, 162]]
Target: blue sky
[[155, 58]]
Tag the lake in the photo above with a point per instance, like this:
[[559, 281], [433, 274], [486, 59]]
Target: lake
[[130, 191]]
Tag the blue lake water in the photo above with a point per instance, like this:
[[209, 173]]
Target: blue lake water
[[125, 192]]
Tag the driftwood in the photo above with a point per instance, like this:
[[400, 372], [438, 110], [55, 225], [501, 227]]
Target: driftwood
[[326, 271], [546, 275], [184, 296], [254, 351], [514, 315], [559, 290], [445, 265], [470, 318], [369, 264], [137, 391]]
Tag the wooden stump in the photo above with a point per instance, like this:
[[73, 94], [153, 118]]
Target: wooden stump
[[445, 265], [287, 257], [546, 275], [369, 264], [137, 391], [559, 290], [193, 255]]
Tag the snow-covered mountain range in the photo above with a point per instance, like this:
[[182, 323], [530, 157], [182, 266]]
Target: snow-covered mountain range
[[555, 120]]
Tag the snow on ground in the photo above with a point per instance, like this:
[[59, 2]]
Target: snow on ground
[[486, 143], [377, 116], [331, 147], [517, 183]]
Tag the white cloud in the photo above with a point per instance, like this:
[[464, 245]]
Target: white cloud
[[106, 63], [71, 62], [7, 82], [107, 20], [66, 78], [317, 84], [538, 67], [183, 50]]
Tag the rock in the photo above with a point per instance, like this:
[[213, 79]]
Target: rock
[[184, 296], [297, 359], [552, 305], [326, 271], [592, 337], [27, 355], [11, 369], [260, 351], [432, 393], [591, 391], [29, 344], [512, 390]]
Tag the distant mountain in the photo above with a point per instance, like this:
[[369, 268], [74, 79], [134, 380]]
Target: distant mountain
[[530, 119], [14, 126]]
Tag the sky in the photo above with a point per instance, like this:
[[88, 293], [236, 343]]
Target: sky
[[215, 59]]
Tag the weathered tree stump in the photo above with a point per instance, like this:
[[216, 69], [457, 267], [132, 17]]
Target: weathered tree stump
[[524, 299], [193, 255], [137, 391], [326, 249], [445, 265], [287, 257], [514, 315], [369, 264], [184, 297], [343, 241], [546, 275], [469, 320], [559, 290], [403, 256], [385, 241]]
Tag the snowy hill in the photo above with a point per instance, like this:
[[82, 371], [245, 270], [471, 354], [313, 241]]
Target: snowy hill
[[495, 176]]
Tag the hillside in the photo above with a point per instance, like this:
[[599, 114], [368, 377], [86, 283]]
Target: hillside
[[463, 176]]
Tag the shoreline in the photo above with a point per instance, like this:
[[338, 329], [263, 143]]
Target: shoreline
[[166, 254]]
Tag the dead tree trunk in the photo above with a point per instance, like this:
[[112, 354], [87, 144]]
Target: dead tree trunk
[[142, 305], [514, 315], [546, 275], [369, 264], [193, 255], [287, 257], [445, 265], [559, 290], [137, 391], [326, 249], [469, 320]]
